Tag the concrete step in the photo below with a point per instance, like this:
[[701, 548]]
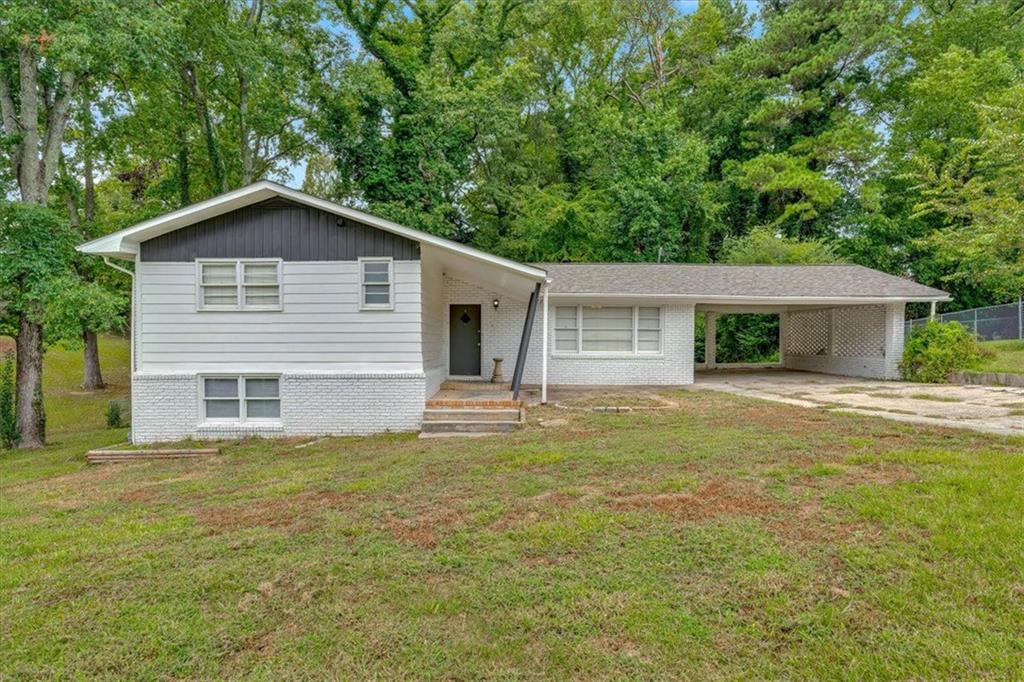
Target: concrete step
[[470, 415], [470, 426]]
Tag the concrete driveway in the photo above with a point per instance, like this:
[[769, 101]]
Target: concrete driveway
[[990, 409]]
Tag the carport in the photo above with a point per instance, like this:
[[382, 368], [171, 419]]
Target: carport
[[833, 319], [862, 339]]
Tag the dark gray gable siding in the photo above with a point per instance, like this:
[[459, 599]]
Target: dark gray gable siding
[[278, 229]]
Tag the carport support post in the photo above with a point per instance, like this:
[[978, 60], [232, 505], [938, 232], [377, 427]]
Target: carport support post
[[710, 332], [931, 314]]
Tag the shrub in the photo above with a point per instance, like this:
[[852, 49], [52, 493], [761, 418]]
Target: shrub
[[115, 415], [8, 420], [936, 349]]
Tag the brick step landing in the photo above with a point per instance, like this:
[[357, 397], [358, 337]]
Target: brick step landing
[[474, 403], [455, 414], [469, 385]]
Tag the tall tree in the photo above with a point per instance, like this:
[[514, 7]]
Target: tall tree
[[49, 51]]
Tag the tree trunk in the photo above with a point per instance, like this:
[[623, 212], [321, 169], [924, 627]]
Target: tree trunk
[[31, 418], [92, 379], [220, 178], [243, 127]]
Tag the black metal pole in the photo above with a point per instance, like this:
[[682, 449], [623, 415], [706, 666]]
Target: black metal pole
[[524, 343]]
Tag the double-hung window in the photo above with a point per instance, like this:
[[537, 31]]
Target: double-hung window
[[376, 279], [239, 284], [241, 399], [614, 330]]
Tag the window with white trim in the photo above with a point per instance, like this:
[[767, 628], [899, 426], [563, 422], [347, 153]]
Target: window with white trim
[[375, 283], [239, 284], [241, 399], [622, 330]]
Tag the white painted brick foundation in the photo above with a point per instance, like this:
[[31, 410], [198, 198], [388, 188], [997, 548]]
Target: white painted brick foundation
[[166, 407]]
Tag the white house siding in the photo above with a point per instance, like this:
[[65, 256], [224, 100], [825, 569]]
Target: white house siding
[[320, 326], [862, 341], [435, 306], [501, 331], [342, 370]]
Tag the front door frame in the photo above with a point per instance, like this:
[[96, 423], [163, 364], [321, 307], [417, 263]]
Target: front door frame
[[452, 307]]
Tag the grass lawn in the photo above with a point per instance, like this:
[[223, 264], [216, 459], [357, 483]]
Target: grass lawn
[[1008, 356], [726, 538]]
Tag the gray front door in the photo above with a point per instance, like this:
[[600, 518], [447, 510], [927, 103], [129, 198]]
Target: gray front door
[[464, 340]]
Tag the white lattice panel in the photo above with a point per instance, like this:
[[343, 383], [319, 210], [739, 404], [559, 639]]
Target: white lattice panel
[[859, 331], [807, 333]]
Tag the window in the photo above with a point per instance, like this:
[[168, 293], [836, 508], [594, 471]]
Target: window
[[241, 399], [239, 285], [567, 334], [648, 330], [375, 283], [608, 329]]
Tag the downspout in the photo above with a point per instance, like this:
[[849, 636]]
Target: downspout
[[524, 342], [131, 330]]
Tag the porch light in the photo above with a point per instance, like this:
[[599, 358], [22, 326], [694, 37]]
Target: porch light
[[495, 304]]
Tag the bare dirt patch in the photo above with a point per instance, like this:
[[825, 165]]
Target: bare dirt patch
[[793, 420], [295, 512], [714, 498], [422, 531]]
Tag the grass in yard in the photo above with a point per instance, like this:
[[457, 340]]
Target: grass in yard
[[1005, 356], [935, 398], [727, 538], [69, 409]]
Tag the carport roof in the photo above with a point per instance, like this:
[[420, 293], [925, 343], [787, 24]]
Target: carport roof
[[790, 283]]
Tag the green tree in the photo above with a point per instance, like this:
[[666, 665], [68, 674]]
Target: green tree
[[48, 52]]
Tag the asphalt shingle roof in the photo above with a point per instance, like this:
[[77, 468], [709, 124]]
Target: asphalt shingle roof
[[654, 279]]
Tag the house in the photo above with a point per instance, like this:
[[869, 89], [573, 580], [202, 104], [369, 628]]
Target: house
[[266, 311]]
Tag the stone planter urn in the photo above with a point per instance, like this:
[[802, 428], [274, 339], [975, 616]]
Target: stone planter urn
[[496, 377]]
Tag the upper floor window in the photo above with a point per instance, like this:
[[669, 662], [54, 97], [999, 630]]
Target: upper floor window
[[608, 329], [375, 283], [239, 284]]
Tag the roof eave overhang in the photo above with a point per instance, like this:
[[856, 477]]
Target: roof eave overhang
[[125, 243], [756, 300]]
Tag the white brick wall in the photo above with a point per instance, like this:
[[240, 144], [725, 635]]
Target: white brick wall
[[166, 407], [860, 341], [501, 330]]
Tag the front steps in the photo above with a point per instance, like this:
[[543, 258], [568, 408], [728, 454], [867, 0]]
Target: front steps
[[470, 420], [471, 408]]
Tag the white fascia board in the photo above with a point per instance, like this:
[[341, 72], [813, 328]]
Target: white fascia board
[[124, 243], [751, 300]]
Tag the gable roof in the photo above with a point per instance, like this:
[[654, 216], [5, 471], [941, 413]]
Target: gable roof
[[125, 243], [748, 283]]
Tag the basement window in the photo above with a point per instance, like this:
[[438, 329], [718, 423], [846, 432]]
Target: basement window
[[239, 399]]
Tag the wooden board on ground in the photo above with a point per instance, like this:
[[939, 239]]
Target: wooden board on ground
[[109, 456]]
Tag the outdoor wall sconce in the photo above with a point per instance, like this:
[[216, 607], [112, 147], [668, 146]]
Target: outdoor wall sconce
[[495, 303]]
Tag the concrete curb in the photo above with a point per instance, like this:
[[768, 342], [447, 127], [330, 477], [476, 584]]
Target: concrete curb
[[987, 379]]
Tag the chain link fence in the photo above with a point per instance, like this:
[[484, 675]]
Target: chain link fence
[[990, 323]]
